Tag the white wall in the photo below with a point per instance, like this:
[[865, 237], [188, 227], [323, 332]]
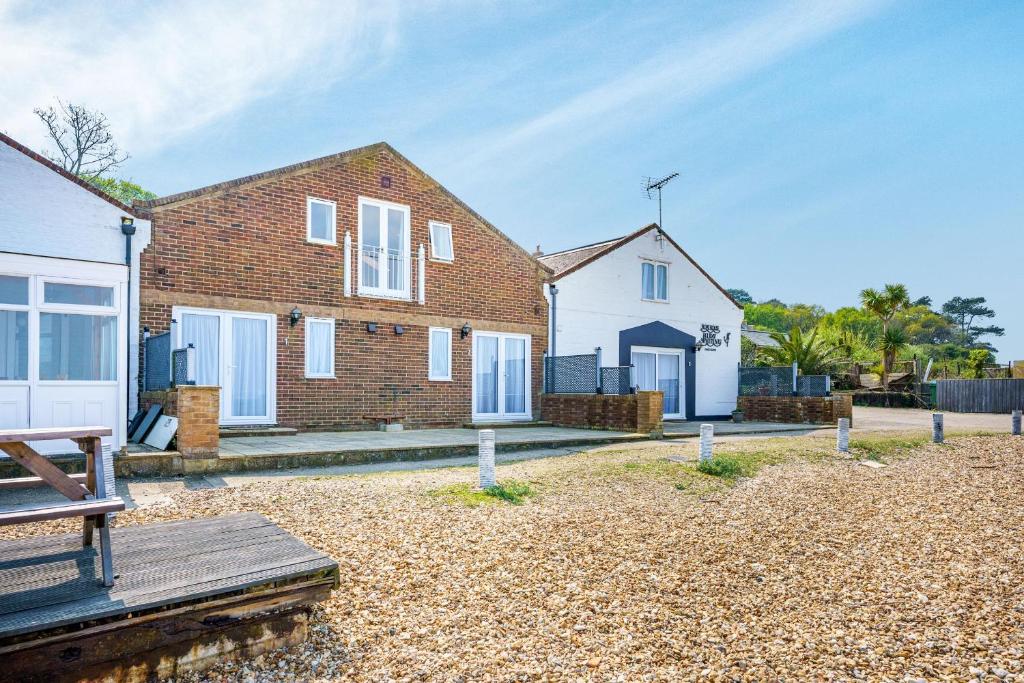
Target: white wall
[[598, 301], [42, 213]]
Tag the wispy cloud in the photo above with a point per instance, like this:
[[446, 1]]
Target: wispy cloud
[[680, 72], [162, 70]]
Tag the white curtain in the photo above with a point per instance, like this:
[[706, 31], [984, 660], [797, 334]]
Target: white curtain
[[646, 371], [487, 375], [647, 280], [319, 348], [203, 332], [662, 283], [13, 345], [668, 381], [440, 354], [515, 375], [249, 377]]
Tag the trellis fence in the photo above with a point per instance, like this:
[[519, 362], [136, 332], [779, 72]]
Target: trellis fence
[[781, 381], [164, 368], [582, 374], [979, 395]]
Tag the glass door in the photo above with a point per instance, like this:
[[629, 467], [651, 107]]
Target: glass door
[[661, 370], [249, 369], [501, 376]]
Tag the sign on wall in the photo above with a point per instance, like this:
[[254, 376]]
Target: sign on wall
[[709, 339]]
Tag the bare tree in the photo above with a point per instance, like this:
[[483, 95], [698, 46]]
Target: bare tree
[[84, 143]]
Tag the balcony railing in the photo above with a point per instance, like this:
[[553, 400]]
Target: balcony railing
[[384, 272]]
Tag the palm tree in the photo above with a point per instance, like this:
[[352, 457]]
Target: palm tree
[[813, 356], [885, 305], [893, 341]]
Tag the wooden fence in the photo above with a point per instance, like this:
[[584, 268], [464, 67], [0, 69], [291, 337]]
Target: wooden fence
[[980, 395]]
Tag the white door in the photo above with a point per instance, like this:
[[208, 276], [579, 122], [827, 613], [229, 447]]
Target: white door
[[501, 376], [234, 351], [661, 370], [61, 342]]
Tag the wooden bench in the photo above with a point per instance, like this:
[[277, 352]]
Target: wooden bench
[[90, 495]]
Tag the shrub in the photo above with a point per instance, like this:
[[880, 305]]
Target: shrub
[[721, 466], [514, 492]]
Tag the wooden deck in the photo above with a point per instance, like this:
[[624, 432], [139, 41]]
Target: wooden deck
[[215, 573]]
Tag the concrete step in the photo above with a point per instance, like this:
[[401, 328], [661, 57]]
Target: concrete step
[[504, 425], [229, 432]]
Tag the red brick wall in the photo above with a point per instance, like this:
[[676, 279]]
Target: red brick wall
[[797, 409], [640, 412], [245, 249]]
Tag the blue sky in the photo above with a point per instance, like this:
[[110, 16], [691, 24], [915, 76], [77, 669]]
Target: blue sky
[[822, 147]]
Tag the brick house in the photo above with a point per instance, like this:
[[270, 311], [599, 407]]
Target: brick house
[[334, 292]]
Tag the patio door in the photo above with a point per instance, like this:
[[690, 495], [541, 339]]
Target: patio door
[[234, 351], [661, 370], [501, 376]]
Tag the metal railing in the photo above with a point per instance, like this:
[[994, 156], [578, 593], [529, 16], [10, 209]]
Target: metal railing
[[781, 381], [581, 374], [617, 380], [385, 270]]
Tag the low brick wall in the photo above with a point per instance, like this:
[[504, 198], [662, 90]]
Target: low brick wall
[[797, 409], [640, 412], [198, 413]]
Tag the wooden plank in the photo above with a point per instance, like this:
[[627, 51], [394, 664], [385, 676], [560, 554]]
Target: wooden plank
[[51, 433], [32, 482], [61, 511], [45, 470]]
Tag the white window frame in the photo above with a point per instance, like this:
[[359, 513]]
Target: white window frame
[[501, 415], [384, 292], [430, 354], [333, 241], [110, 311], [655, 265], [433, 248], [319, 375]]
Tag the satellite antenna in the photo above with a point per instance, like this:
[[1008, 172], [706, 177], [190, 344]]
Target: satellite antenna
[[656, 184]]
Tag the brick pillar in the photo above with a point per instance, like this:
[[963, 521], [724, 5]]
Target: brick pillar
[[649, 413], [198, 422]]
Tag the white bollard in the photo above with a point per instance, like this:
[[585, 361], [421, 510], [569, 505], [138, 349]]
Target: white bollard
[[937, 433], [707, 437], [1015, 422], [843, 435], [485, 458]]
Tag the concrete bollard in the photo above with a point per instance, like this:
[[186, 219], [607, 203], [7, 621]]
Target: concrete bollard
[[843, 435], [1015, 422], [938, 436], [485, 458], [707, 438]]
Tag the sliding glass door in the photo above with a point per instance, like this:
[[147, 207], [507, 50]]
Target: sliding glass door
[[501, 376], [234, 351], [661, 370]]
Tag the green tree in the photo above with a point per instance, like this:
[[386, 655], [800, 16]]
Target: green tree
[[812, 355], [741, 296], [125, 191], [892, 342], [925, 326], [963, 311], [884, 305], [977, 359]]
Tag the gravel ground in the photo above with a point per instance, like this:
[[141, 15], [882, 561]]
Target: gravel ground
[[629, 567]]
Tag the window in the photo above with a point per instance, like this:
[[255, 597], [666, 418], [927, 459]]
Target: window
[[441, 241], [77, 347], [78, 295], [440, 354], [13, 328], [654, 281], [319, 347], [383, 249], [320, 221]]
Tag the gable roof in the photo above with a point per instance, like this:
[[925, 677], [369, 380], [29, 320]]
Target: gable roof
[[569, 261], [14, 144], [323, 162]]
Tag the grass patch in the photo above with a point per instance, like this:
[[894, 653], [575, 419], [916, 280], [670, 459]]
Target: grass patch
[[514, 492], [722, 466], [878, 448]]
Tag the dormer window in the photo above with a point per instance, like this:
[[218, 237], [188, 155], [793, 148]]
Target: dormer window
[[321, 221], [654, 281]]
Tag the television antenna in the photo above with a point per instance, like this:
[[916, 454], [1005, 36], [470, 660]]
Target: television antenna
[[656, 184]]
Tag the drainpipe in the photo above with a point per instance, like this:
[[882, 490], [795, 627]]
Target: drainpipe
[[554, 316], [128, 229]]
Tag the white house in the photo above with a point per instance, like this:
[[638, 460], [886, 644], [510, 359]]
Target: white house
[[67, 299], [643, 301]]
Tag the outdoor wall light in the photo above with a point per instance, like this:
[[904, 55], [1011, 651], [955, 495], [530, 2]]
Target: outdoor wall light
[[371, 328], [399, 329], [698, 346], [295, 315], [127, 225], [465, 330]]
